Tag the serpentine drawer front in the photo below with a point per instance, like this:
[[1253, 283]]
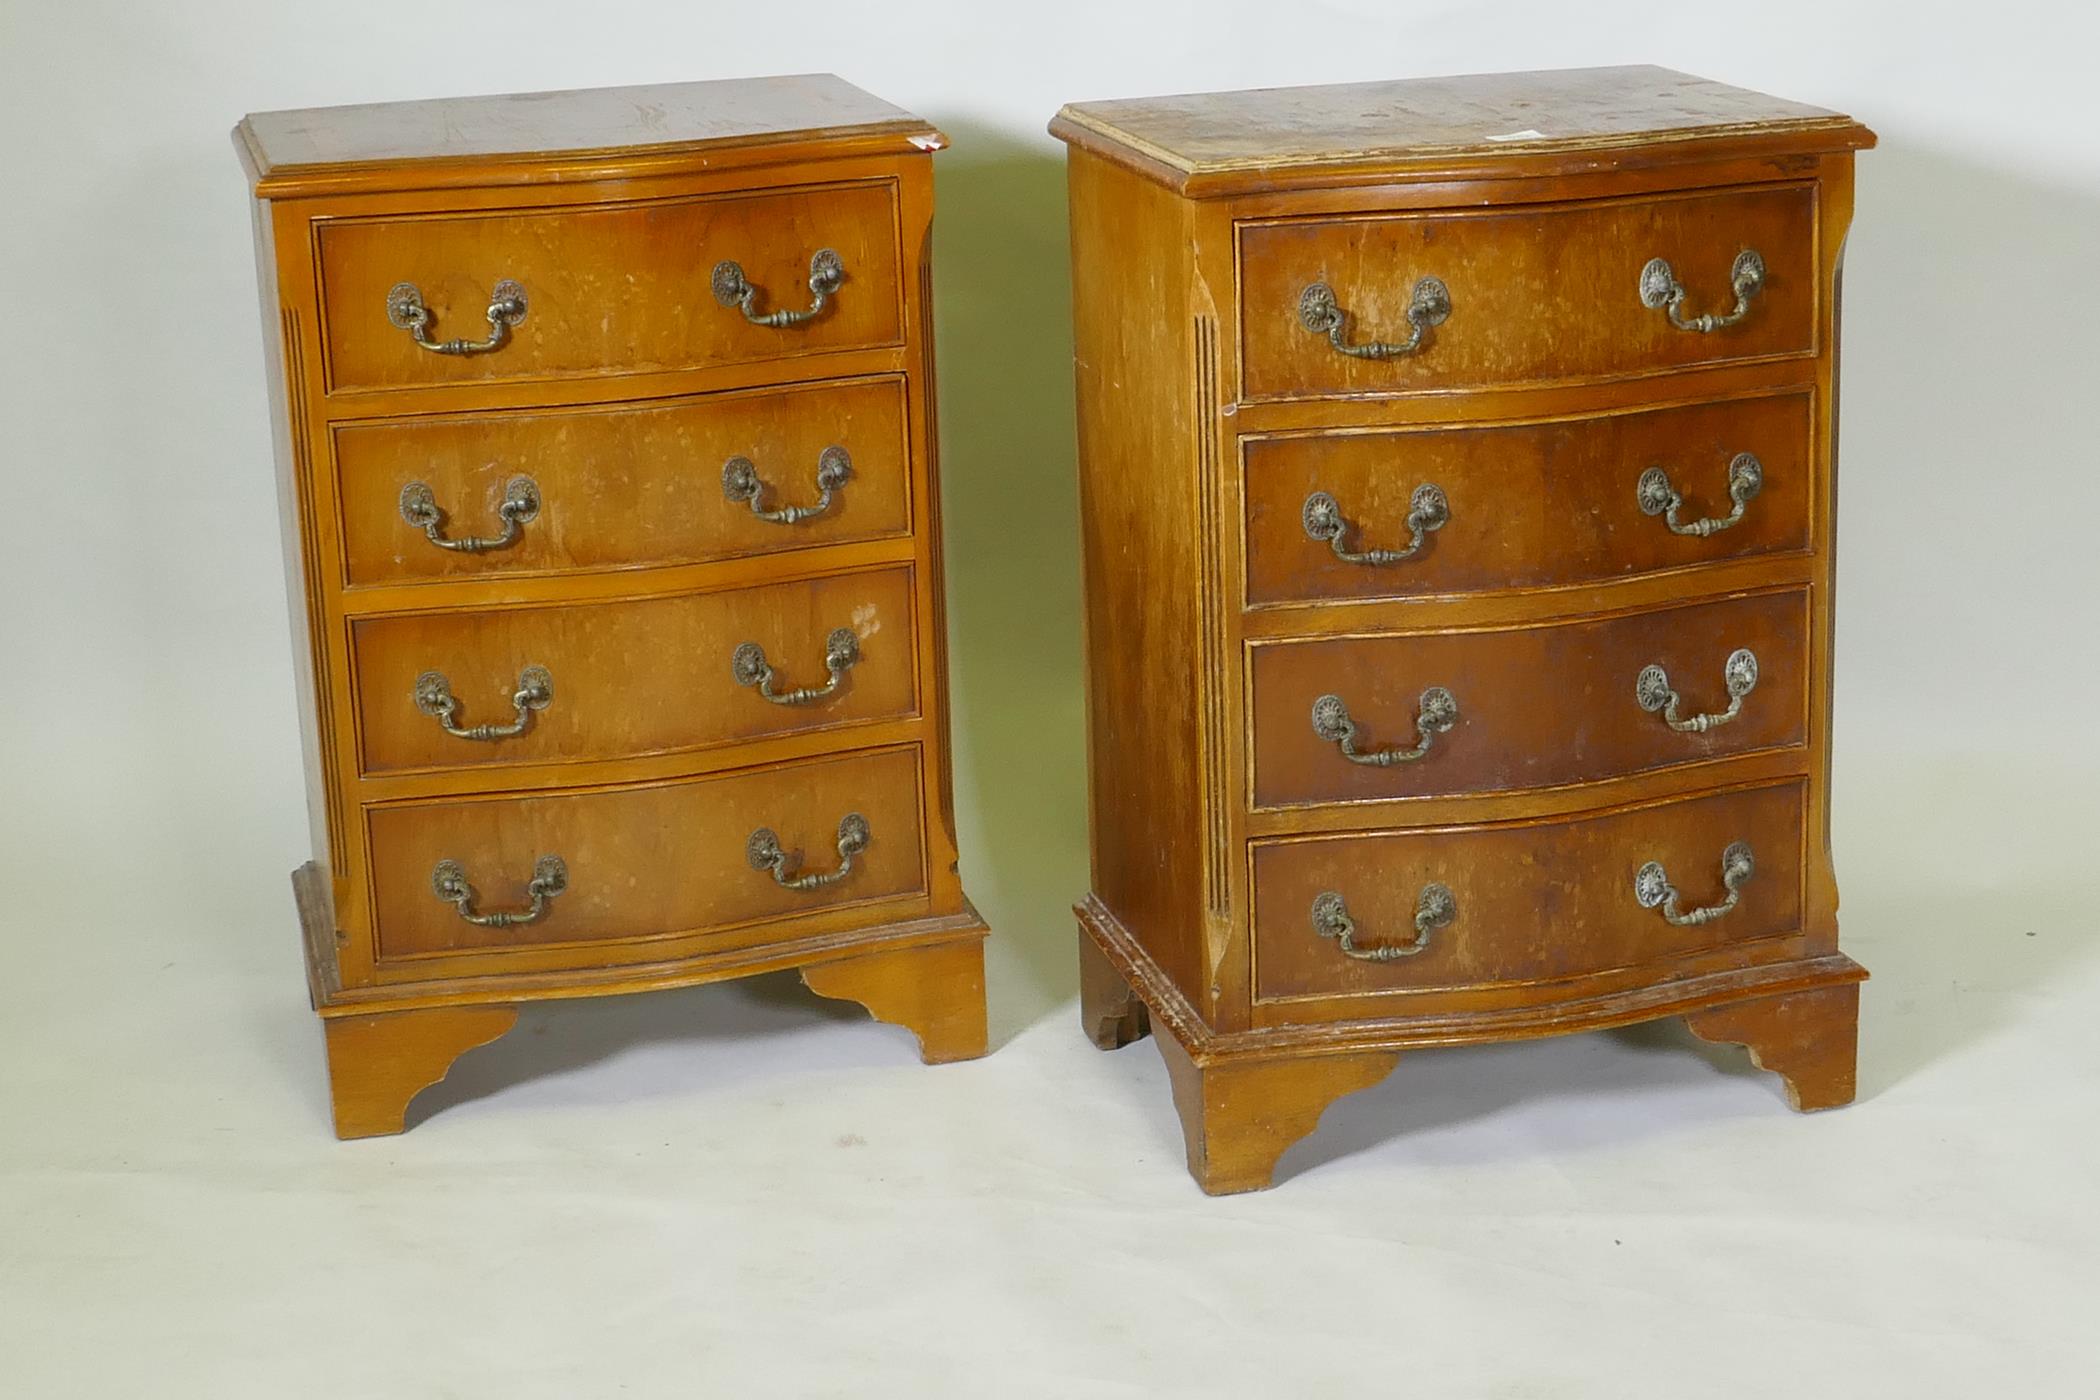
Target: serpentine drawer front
[[1525, 295], [627, 485], [649, 863], [1344, 916], [606, 449], [638, 676], [1542, 504], [609, 289], [1457, 467], [1362, 718]]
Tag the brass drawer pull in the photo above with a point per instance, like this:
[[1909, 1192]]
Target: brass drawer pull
[[748, 664], [549, 878], [405, 308], [1652, 690], [434, 697], [1661, 291], [1428, 510], [740, 482], [1653, 888], [1746, 477], [1320, 313], [1434, 909], [521, 502], [825, 274], [764, 853], [1436, 713]]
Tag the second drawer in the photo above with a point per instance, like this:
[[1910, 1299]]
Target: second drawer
[[638, 676], [1537, 706], [625, 485], [1446, 508]]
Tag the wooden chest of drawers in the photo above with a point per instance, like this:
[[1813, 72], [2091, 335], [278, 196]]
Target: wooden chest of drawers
[[1457, 470], [606, 451]]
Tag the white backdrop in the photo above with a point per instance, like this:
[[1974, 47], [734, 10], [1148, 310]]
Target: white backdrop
[[152, 1031]]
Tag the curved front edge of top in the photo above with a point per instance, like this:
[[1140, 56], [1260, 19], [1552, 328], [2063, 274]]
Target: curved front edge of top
[[1584, 120]]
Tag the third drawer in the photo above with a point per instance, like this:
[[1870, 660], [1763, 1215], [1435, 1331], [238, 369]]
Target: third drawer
[[1537, 706], [636, 676]]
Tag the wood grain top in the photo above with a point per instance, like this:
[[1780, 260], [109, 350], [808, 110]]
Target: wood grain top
[[412, 144], [1224, 141]]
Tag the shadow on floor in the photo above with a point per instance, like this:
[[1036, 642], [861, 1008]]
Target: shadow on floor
[[560, 1038]]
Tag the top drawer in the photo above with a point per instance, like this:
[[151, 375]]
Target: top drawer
[[1531, 295], [607, 289]]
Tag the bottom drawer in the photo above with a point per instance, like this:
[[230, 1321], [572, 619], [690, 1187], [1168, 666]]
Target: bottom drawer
[[653, 860], [1443, 909]]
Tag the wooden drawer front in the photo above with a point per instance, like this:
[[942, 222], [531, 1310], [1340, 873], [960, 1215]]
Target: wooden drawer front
[[638, 676], [1538, 294], [1537, 706], [1530, 902], [623, 486], [609, 289], [650, 861], [1529, 505]]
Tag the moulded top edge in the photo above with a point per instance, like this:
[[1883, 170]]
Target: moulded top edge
[[1485, 125], [528, 138]]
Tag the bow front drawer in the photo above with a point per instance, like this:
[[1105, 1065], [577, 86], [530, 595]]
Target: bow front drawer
[[1380, 716], [1525, 505], [652, 861], [1401, 303], [569, 490], [609, 289], [1443, 909], [637, 676]]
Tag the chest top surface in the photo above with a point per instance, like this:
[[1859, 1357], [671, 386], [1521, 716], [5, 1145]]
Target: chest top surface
[[388, 143], [1221, 142]]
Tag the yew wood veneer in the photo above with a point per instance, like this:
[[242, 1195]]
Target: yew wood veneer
[[1457, 472], [605, 440]]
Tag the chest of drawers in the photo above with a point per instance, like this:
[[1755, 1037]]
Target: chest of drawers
[[1457, 474], [605, 444]]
